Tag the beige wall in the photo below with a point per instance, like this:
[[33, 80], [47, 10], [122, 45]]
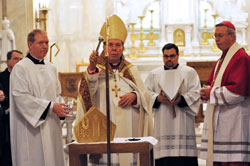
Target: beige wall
[[1, 10], [20, 15]]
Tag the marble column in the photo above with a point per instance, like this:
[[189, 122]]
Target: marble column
[[170, 32], [4, 9], [162, 23], [244, 37], [195, 31], [188, 48], [248, 27]]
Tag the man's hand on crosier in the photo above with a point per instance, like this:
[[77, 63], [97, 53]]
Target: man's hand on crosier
[[93, 60], [59, 109], [127, 99], [2, 96]]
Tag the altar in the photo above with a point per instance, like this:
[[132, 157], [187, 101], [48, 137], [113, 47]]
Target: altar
[[78, 151]]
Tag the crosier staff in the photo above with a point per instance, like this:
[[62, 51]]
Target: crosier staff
[[107, 93]]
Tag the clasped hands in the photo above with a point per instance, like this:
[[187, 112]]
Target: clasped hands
[[204, 92], [162, 99]]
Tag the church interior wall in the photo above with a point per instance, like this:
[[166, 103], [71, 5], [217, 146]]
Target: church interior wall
[[20, 15], [80, 33], [74, 26]]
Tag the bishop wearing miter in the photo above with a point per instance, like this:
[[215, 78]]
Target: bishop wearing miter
[[129, 108]]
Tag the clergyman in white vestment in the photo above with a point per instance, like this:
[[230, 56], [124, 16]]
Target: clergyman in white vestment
[[129, 109], [175, 98], [36, 134]]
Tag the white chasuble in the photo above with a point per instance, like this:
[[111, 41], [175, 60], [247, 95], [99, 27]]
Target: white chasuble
[[176, 136], [34, 141], [131, 121]]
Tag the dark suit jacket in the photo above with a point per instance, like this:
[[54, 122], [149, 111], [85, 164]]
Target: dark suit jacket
[[2, 127], [5, 152], [5, 81]]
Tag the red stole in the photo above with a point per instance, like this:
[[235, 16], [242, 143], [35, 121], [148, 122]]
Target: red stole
[[236, 77]]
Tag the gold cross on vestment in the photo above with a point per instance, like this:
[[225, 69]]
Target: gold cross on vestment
[[116, 89]]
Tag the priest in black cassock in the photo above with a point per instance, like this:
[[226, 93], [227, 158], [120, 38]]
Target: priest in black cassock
[[13, 57]]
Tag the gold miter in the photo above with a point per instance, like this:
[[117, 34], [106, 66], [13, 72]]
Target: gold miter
[[117, 29]]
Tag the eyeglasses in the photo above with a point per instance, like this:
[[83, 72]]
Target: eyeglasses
[[16, 59], [169, 56], [220, 35]]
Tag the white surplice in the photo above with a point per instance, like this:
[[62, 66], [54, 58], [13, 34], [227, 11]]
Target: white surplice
[[171, 88], [34, 141], [176, 136], [231, 126], [126, 119]]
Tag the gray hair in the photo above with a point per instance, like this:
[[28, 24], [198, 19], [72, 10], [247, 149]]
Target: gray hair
[[229, 30]]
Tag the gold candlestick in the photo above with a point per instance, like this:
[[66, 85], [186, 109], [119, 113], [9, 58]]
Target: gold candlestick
[[151, 36], [133, 55], [41, 18], [142, 49], [214, 47], [205, 33]]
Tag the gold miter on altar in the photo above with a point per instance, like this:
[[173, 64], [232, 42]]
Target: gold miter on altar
[[117, 29], [92, 127]]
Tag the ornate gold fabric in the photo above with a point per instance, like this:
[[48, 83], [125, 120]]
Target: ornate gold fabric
[[84, 93], [117, 29], [93, 127]]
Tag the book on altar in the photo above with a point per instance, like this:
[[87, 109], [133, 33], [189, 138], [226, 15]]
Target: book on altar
[[170, 83]]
